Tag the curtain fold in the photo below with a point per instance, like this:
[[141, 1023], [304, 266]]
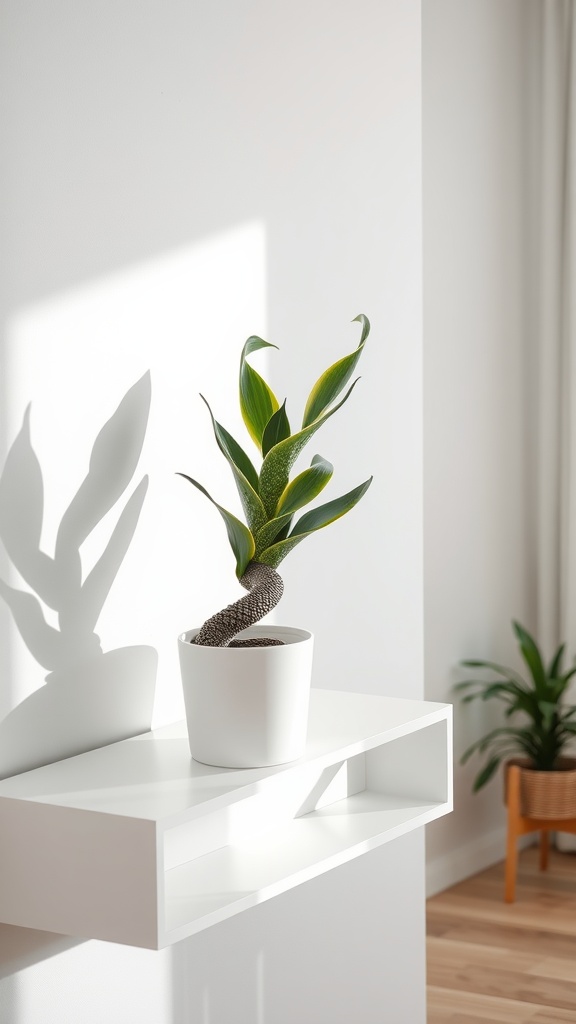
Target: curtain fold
[[555, 335], [555, 361]]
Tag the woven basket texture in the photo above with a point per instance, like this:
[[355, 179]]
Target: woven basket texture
[[547, 795]]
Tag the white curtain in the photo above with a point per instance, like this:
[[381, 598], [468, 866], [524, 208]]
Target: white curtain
[[554, 328], [553, 391]]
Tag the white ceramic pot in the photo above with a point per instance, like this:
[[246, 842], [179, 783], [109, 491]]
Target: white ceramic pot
[[247, 707]]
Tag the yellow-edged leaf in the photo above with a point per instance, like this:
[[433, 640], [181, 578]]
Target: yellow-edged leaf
[[244, 473], [277, 429], [306, 486], [312, 521], [258, 403], [275, 471], [269, 532], [333, 380], [241, 540]]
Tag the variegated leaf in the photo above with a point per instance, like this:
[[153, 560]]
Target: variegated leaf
[[306, 486], [275, 472], [312, 521], [333, 380], [269, 533], [277, 429], [244, 473], [241, 540], [258, 403]]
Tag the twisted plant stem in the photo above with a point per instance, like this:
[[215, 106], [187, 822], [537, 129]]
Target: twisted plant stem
[[266, 588]]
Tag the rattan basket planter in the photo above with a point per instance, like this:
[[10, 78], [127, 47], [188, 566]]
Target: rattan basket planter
[[546, 795]]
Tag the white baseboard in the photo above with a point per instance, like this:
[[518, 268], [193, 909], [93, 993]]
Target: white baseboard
[[566, 842], [453, 867]]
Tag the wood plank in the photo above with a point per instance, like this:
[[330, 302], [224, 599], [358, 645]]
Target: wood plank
[[447, 1005], [505, 984], [461, 955], [505, 963], [555, 967]]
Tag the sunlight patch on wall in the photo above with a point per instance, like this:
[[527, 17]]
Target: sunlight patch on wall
[[184, 316]]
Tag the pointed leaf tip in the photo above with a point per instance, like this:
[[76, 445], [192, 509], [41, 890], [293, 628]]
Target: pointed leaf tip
[[362, 319], [239, 536], [258, 403], [277, 429], [334, 379]]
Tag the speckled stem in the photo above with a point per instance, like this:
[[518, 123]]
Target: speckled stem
[[266, 588]]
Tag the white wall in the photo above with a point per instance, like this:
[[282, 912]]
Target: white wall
[[476, 57], [178, 176]]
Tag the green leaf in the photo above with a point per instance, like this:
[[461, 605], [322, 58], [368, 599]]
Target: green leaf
[[532, 657], [232, 450], [548, 710], [500, 670], [277, 429], [306, 486], [487, 772], [556, 664], [501, 690], [270, 532], [330, 384], [312, 521], [275, 471], [244, 473], [258, 403], [241, 540], [332, 510], [568, 676], [486, 741], [508, 685]]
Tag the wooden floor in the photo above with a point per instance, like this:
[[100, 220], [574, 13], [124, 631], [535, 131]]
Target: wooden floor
[[489, 961]]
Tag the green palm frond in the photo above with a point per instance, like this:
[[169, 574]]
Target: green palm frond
[[547, 726]]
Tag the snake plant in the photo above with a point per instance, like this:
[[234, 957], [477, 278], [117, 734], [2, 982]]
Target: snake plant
[[549, 724], [270, 498]]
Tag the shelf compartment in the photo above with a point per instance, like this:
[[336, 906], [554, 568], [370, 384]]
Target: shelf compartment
[[315, 822], [137, 843]]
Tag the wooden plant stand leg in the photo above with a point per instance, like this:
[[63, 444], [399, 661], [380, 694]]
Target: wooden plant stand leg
[[521, 826], [544, 848], [513, 802]]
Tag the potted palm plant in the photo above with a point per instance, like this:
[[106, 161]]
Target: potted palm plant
[[246, 686], [542, 726]]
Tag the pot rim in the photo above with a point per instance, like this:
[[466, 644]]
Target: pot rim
[[566, 762], [298, 634]]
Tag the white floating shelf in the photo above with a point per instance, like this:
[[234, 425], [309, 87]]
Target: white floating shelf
[[139, 844]]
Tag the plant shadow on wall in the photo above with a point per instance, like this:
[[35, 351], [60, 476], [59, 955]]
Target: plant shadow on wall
[[90, 698]]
